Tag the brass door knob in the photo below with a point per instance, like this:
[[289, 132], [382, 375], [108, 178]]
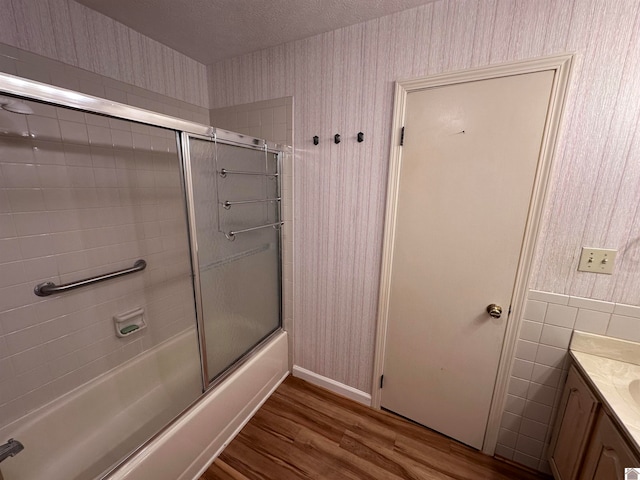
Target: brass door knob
[[494, 310]]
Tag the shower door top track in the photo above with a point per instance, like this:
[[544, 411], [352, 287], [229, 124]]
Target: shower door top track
[[32, 90]]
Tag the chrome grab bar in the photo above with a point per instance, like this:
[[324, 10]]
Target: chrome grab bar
[[49, 288], [227, 204], [231, 236], [9, 449], [224, 172]]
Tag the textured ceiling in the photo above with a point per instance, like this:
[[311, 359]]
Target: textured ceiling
[[211, 30]]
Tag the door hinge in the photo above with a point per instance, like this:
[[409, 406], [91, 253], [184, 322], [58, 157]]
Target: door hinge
[[381, 380], [402, 137]]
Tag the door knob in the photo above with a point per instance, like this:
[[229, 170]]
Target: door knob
[[494, 310]]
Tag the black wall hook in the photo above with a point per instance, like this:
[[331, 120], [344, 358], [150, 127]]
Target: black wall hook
[[360, 137], [316, 140], [336, 138]]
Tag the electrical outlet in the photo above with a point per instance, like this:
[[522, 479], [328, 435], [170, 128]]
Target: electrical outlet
[[597, 260]]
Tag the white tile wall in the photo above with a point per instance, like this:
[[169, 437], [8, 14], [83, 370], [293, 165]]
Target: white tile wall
[[81, 196], [540, 367]]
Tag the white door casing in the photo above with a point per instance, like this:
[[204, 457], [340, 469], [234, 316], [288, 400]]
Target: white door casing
[[404, 297]]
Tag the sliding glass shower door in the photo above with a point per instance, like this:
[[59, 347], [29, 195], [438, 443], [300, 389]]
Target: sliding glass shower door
[[235, 228]]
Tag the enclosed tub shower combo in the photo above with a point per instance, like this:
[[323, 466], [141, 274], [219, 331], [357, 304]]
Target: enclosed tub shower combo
[[141, 306]]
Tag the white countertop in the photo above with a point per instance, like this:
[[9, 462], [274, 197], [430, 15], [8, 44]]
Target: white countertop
[[612, 365]]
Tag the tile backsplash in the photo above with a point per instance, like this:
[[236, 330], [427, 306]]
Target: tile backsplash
[[541, 364], [82, 195]]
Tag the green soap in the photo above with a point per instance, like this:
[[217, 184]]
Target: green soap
[[129, 329]]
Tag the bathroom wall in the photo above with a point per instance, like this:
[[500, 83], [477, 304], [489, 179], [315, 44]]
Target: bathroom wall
[[268, 119], [66, 31], [541, 365], [343, 83], [16, 61]]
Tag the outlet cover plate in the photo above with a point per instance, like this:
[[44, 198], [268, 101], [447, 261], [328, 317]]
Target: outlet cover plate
[[597, 260]]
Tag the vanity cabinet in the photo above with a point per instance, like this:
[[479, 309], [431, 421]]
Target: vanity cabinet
[[608, 453], [576, 417], [587, 445]]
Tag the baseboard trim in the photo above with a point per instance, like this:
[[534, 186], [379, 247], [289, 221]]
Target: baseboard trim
[[336, 387]]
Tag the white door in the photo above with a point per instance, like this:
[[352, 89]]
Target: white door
[[466, 177]]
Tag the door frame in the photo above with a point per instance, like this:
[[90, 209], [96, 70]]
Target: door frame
[[561, 64]]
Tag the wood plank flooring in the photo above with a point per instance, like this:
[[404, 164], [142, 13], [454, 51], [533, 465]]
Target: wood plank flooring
[[306, 432]]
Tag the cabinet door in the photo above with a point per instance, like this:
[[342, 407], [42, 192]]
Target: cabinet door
[[608, 453], [577, 414]]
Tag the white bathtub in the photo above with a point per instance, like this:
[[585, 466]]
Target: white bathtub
[[81, 434]]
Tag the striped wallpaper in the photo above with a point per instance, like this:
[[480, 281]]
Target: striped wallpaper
[[71, 33], [343, 81]]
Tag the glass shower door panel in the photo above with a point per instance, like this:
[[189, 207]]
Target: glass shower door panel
[[115, 361], [239, 273]]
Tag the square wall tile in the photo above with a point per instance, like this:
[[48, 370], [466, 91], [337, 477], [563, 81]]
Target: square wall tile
[[529, 446], [561, 315], [526, 350], [522, 369], [504, 451], [556, 336], [526, 460], [533, 429], [592, 321], [511, 421], [537, 411], [530, 331], [535, 311], [518, 387], [540, 393], [627, 328], [546, 375], [551, 356], [507, 438], [515, 405]]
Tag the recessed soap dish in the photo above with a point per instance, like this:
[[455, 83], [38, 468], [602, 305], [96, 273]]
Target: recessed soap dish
[[130, 322]]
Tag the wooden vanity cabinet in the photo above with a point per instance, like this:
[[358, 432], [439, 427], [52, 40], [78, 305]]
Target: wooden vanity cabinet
[[577, 414], [587, 444], [608, 453]]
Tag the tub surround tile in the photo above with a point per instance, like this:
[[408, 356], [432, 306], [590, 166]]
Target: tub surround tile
[[73, 212]]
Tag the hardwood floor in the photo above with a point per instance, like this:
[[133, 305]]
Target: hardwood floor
[[306, 432]]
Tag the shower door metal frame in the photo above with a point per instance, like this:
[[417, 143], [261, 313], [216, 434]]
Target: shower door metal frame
[[187, 179], [14, 86], [21, 88]]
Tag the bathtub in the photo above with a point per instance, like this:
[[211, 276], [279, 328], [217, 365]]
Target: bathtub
[[81, 434]]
